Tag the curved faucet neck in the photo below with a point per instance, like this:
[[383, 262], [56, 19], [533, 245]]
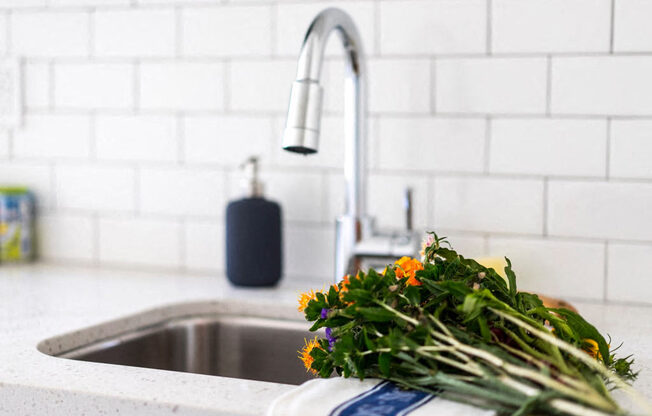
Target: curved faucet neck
[[309, 70]]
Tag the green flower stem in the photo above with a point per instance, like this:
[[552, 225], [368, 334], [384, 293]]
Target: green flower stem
[[592, 398], [397, 313], [583, 357]]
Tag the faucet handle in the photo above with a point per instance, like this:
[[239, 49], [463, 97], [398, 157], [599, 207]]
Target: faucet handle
[[407, 205]]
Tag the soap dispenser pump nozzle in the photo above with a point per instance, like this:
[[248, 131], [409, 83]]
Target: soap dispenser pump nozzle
[[250, 183]]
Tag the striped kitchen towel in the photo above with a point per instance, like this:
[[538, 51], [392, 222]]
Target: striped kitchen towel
[[340, 396]]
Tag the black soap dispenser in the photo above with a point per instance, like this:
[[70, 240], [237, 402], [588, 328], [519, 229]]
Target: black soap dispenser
[[254, 254]]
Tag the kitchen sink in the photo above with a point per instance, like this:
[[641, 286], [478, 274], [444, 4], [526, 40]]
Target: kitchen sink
[[247, 347]]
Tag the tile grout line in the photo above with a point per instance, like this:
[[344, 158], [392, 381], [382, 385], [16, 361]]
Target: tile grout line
[[273, 29], [377, 31], [92, 136], [180, 124], [489, 23], [545, 207], [433, 85], [51, 87], [136, 74], [605, 277], [91, 33], [178, 33], [612, 26], [8, 34], [548, 85], [607, 167], [486, 169], [226, 79], [183, 255], [97, 239]]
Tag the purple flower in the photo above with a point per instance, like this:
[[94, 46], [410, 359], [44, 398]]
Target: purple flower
[[324, 313], [331, 339]]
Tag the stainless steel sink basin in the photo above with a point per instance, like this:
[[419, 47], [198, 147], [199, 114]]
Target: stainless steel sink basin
[[225, 345]]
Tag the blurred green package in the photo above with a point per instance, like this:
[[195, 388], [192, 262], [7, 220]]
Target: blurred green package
[[16, 224]]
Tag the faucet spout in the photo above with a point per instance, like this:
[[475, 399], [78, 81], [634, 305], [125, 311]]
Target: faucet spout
[[301, 134]]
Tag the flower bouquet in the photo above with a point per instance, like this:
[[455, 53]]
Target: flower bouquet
[[450, 326]]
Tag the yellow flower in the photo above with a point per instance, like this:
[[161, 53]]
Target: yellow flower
[[304, 354], [304, 299], [408, 267], [591, 348]]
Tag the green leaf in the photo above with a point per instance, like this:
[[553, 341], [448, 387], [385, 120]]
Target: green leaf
[[384, 360], [512, 280], [412, 293], [586, 331], [376, 314]]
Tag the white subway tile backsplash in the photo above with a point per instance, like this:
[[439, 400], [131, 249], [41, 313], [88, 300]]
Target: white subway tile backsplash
[[468, 245], [431, 144], [4, 144], [204, 246], [488, 204], [549, 147], [614, 210], [227, 31], [628, 273], [36, 176], [136, 138], [93, 86], [53, 136], [609, 85], [433, 27], [95, 187], [182, 86], [308, 253], [632, 31], [66, 237], [4, 30], [139, 242], [37, 85], [227, 140], [293, 19], [301, 194], [484, 85], [19, 4], [630, 149], [137, 117], [560, 268], [49, 34], [134, 33], [261, 86], [68, 3], [386, 200], [182, 191], [550, 25], [401, 86]]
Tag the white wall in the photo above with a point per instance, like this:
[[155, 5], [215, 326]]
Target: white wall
[[524, 127]]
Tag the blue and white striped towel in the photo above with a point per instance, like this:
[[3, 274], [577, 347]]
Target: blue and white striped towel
[[340, 396]]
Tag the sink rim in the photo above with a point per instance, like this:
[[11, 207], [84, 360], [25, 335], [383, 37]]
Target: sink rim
[[59, 344], [188, 320]]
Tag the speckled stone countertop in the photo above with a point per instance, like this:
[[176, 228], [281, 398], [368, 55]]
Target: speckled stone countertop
[[39, 303]]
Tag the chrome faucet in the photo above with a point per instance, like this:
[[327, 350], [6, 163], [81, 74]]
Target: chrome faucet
[[356, 239]]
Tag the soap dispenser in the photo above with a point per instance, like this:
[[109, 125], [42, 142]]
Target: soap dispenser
[[253, 234]]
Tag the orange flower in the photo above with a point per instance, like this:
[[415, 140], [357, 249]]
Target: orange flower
[[305, 298], [304, 354], [408, 267], [345, 283]]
